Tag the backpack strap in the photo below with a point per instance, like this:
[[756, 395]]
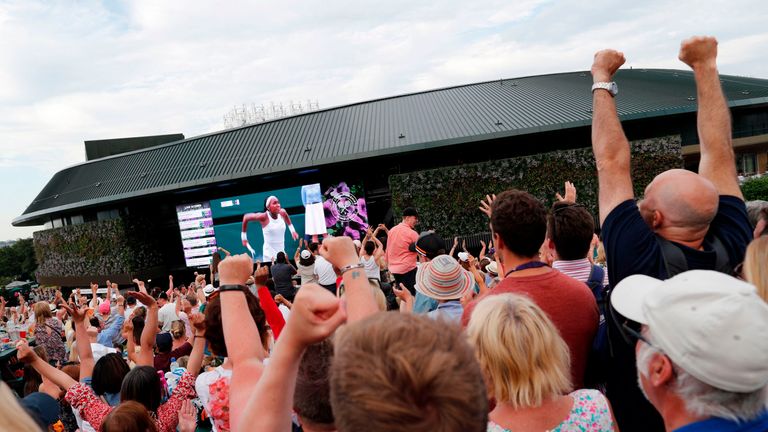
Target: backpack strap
[[673, 256], [675, 262], [596, 277]]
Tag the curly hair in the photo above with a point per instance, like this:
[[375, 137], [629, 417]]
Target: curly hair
[[520, 220]]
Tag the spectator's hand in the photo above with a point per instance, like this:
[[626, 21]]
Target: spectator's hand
[[605, 64], [197, 321], [699, 51], [145, 299], [339, 251], [486, 204], [455, 241], [78, 315], [24, 352], [406, 299], [570, 193], [315, 315], [235, 269], [94, 288], [187, 417], [261, 275]]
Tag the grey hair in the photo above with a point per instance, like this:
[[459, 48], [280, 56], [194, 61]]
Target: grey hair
[[702, 399]]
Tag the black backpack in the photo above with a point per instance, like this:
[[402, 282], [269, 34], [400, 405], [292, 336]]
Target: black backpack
[[600, 354]]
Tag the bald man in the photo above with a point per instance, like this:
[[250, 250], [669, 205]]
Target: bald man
[[684, 221]]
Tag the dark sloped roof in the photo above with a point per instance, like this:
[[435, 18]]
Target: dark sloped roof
[[442, 117]]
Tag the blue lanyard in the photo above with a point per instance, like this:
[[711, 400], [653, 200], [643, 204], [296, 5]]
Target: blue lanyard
[[528, 265]]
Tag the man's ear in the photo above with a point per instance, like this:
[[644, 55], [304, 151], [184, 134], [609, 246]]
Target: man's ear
[[658, 219], [550, 244], [498, 241], [661, 371]]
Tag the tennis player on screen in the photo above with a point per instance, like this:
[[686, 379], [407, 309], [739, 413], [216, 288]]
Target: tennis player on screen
[[273, 223]]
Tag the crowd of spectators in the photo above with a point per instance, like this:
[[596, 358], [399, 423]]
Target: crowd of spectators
[[660, 323]]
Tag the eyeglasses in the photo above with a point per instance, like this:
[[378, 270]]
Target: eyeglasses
[[635, 334]]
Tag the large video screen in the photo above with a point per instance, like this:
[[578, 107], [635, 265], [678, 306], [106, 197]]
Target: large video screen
[[259, 223], [197, 233]]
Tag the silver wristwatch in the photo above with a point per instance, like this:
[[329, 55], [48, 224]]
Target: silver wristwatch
[[612, 88]]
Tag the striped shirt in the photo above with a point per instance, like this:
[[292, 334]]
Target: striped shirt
[[578, 269]]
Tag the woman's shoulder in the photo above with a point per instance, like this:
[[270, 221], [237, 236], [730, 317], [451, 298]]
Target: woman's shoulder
[[590, 412]]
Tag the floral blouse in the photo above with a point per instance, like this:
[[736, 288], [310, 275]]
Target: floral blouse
[[52, 342], [94, 410], [590, 413]]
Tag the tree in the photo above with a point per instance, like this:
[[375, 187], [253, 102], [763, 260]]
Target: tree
[[18, 261]]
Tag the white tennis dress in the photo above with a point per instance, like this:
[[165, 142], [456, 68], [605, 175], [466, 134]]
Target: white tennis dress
[[274, 237]]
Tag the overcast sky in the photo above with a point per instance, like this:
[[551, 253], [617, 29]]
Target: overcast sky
[[80, 70]]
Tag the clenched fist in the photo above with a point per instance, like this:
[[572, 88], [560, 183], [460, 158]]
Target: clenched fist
[[699, 51], [605, 64]]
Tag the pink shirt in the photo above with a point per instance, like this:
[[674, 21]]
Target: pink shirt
[[399, 258]]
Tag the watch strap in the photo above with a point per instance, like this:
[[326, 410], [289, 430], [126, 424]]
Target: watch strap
[[610, 87], [223, 288]]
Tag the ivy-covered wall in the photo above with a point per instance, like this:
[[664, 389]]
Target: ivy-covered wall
[[448, 198], [94, 249]]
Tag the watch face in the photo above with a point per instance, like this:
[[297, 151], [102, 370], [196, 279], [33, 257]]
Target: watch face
[[613, 88]]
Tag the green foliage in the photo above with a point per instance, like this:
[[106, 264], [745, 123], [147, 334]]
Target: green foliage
[[755, 188], [103, 248], [448, 198], [17, 262]]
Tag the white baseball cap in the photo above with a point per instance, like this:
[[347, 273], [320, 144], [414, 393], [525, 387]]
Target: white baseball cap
[[712, 325], [463, 256], [305, 254], [208, 290]]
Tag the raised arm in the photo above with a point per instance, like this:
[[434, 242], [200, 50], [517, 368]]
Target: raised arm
[[717, 163], [288, 222], [146, 356], [609, 144], [240, 333], [83, 344], [271, 312], [316, 315], [340, 251], [56, 376], [250, 217], [94, 301]]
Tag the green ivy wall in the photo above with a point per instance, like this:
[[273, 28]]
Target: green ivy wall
[[104, 248], [448, 198]]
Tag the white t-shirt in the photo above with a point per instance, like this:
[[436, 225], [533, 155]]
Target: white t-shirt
[[167, 315], [324, 271], [202, 385], [285, 311]]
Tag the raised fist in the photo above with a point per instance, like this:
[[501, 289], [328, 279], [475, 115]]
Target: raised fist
[[699, 51], [235, 269], [605, 64]]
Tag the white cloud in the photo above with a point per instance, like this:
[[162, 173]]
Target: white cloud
[[92, 70]]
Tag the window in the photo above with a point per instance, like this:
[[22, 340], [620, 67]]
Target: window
[[76, 219], [746, 163], [107, 214]]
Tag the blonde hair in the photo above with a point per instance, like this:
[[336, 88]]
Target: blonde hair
[[178, 329], [754, 268], [15, 418], [42, 312], [600, 259], [523, 358], [379, 297]]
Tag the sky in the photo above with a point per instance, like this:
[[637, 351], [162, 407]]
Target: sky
[[72, 71]]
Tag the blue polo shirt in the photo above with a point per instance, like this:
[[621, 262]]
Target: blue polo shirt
[[760, 424]]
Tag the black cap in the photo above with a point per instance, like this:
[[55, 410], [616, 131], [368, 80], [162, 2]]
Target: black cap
[[410, 211], [428, 245]]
